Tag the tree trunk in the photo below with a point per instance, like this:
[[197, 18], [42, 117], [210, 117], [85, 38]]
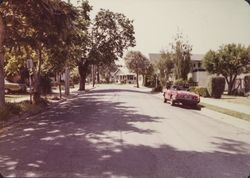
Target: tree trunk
[[230, 84], [98, 74], [82, 69], [2, 89], [60, 85], [37, 89], [67, 82], [93, 76], [143, 80], [137, 80]]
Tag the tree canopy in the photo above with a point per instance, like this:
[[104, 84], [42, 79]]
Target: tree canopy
[[137, 63], [229, 61], [31, 28], [181, 55], [165, 65]]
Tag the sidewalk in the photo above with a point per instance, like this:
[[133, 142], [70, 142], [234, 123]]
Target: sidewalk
[[227, 105]]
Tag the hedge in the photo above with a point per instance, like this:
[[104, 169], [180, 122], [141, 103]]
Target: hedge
[[201, 91], [216, 86]]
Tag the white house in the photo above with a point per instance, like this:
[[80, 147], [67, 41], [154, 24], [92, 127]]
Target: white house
[[123, 75], [197, 72]]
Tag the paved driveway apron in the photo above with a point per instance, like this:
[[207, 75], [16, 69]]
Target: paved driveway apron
[[119, 131]]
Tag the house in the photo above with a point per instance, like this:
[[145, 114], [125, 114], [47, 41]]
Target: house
[[197, 72], [123, 75]]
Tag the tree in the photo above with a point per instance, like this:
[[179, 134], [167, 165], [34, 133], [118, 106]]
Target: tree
[[2, 100], [136, 62], [149, 79], [181, 54], [36, 26], [230, 61], [165, 65], [106, 69], [110, 34]]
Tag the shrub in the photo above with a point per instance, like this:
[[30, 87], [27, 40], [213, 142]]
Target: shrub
[[14, 108], [191, 82], [216, 86], [202, 91], [4, 113], [192, 89], [169, 84], [26, 106], [157, 89], [8, 110], [247, 83], [180, 82]]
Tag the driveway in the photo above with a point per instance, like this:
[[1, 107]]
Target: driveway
[[120, 131]]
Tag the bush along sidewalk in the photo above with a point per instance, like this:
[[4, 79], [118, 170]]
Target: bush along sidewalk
[[216, 86], [16, 110]]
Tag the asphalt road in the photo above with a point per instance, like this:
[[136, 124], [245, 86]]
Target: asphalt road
[[120, 131]]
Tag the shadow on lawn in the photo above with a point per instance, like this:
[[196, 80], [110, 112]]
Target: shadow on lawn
[[76, 139]]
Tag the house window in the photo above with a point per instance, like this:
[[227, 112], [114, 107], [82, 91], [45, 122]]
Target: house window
[[199, 64]]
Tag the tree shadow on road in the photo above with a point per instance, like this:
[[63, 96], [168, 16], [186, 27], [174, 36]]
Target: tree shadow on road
[[119, 90], [89, 136]]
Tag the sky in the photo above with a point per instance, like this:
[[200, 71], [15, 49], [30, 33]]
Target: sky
[[206, 24]]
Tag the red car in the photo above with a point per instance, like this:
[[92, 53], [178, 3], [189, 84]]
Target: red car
[[178, 94]]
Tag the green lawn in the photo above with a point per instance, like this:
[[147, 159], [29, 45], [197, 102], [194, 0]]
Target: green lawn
[[227, 111], [236, 99], [14, 98]]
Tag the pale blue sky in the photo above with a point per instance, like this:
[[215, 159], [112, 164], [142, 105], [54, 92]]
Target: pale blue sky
[[206, 23]]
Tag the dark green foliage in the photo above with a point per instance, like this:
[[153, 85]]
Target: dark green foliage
[[8, 110], [157, 89], [165, 66], [247, 83], [169, 84], [46, 85], [216, 86], [230, 61], [201, 91], [137, 63], [181, 82], [4, 113], [13, 108], [191, 82], [181, 55]]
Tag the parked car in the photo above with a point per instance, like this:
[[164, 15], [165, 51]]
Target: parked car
[[11, 87], [179, 94]]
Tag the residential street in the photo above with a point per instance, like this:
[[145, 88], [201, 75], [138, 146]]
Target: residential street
[[121, 131]]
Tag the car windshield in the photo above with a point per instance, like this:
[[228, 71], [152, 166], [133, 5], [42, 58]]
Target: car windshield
[[179, 88]]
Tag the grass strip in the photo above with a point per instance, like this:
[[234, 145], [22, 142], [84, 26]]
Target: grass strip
[[227, 111]]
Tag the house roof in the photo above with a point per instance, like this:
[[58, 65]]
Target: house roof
[[156, 56], [197, 57], [123, 71]]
